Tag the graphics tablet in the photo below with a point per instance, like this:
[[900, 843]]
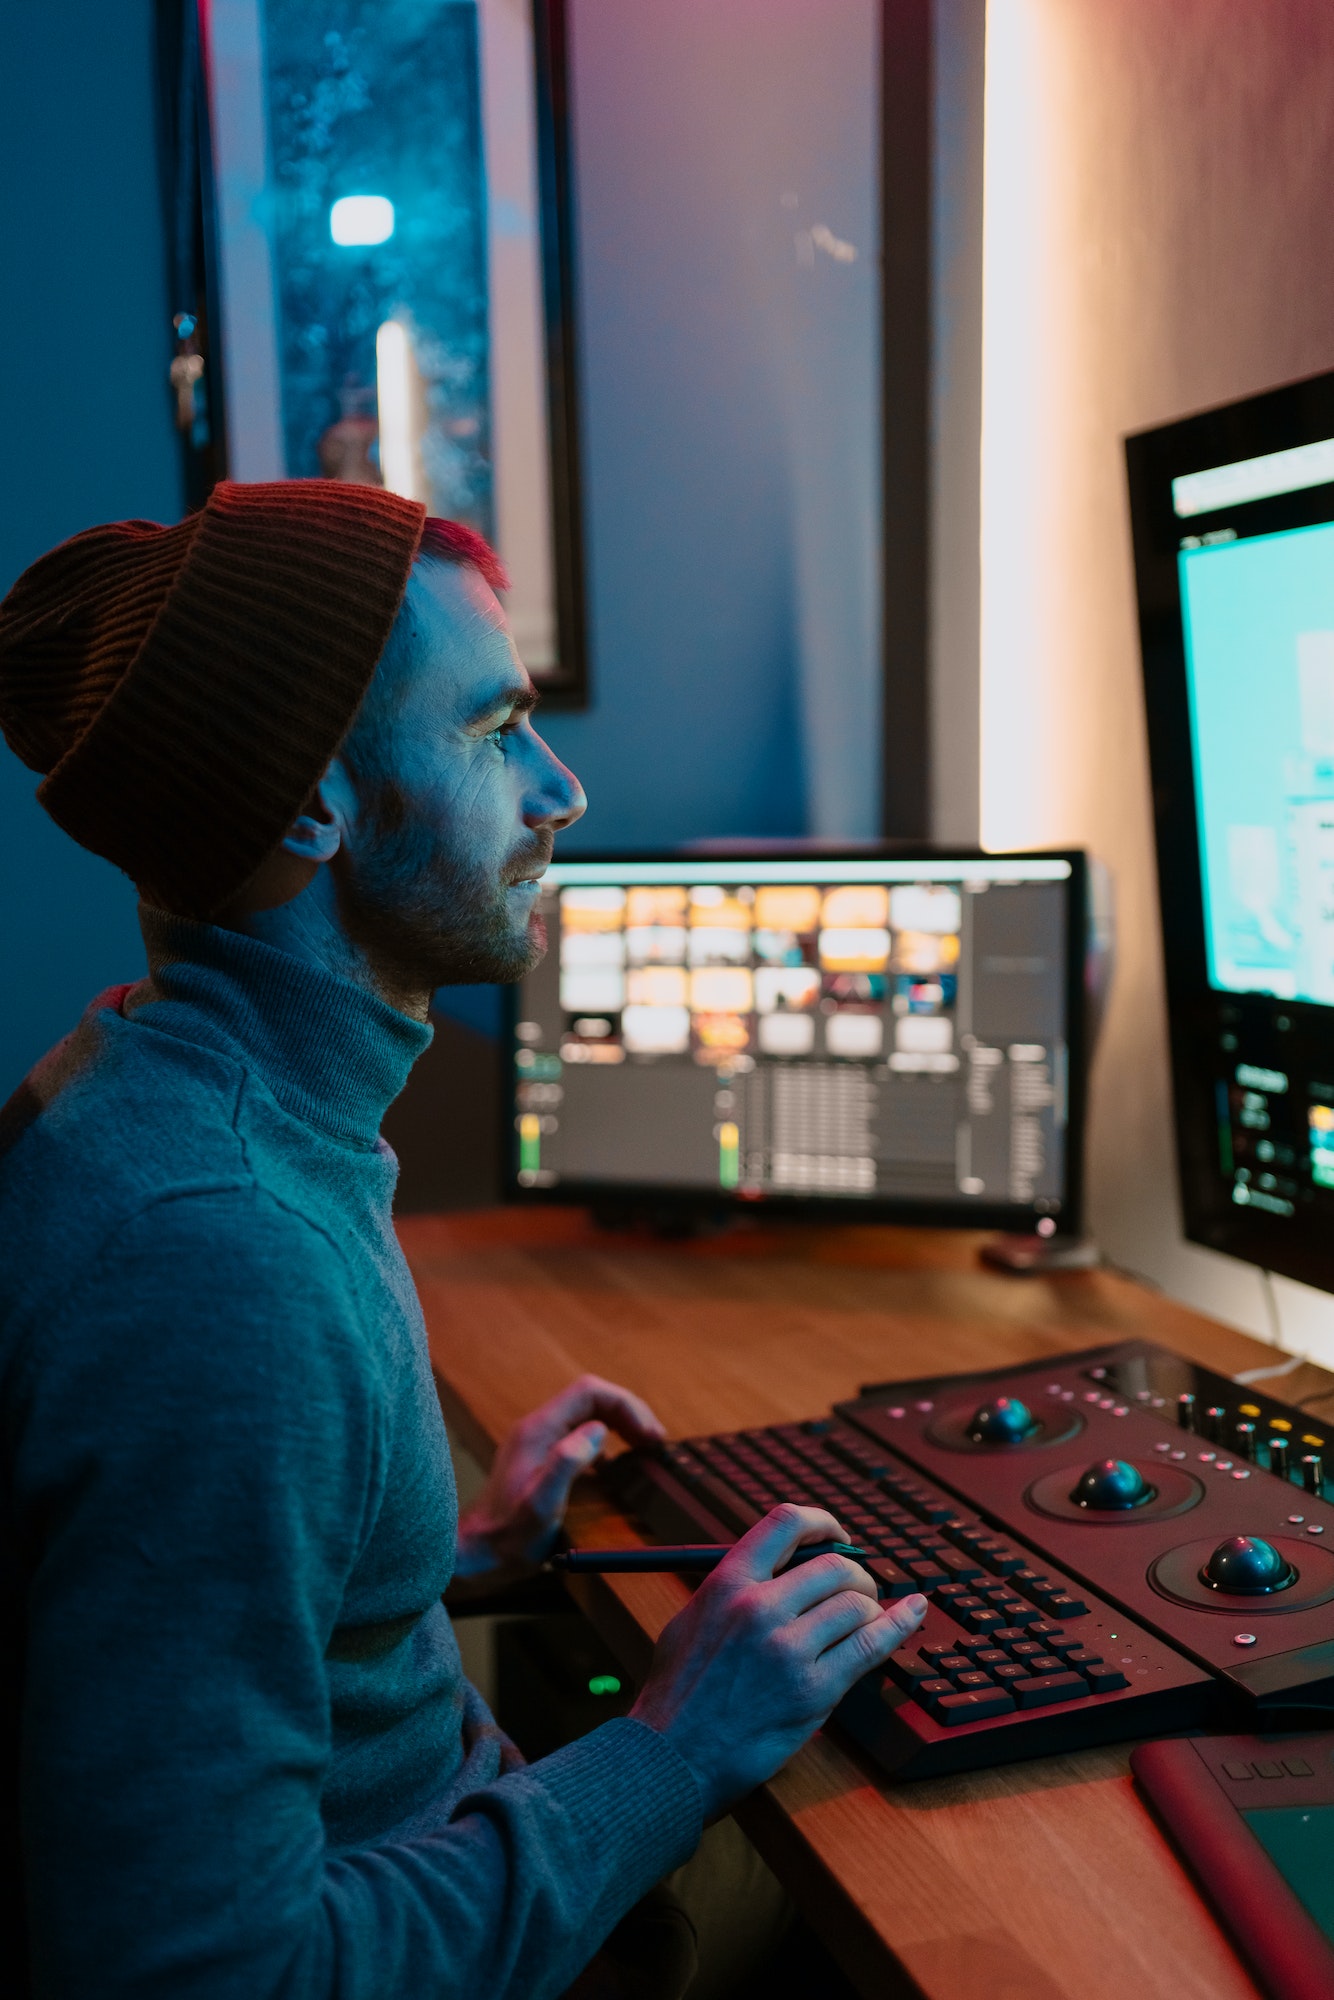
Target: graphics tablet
[[1254, 1817]]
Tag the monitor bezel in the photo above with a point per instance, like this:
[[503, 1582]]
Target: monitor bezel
[[1296, 414], [672, 1205]]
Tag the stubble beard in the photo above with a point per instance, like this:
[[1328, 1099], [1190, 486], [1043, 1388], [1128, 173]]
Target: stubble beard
[[424, 919]]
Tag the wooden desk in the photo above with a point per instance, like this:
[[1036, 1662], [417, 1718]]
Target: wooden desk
[[1044, 1879]]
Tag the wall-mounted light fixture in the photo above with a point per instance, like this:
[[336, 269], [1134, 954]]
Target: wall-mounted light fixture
[[358, 219]]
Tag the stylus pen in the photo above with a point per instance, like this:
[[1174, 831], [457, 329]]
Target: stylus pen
[[683, 1558]]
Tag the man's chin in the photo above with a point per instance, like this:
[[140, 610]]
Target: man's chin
[[502, 963]]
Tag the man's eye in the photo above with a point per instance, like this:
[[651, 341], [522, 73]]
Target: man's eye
[[502, 730]]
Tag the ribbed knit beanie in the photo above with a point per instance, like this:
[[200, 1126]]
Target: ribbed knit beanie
[[183, 688]]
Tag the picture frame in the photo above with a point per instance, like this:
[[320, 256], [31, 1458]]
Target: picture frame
[[439, 355]]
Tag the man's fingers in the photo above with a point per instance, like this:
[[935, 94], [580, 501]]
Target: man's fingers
[[772, 1541], [814, 1581], [590, 1396], [825, 1624], [905, 1617], [565, 1461], [869, 1643]]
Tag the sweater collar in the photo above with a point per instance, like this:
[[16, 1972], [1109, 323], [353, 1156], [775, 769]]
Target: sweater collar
[[330, 1053]]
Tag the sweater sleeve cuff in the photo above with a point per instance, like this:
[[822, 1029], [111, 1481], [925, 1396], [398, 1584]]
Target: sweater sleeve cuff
[[625, 1788]]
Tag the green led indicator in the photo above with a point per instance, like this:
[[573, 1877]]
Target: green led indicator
[[729, 1154], [530, 1143], [604, 1684]]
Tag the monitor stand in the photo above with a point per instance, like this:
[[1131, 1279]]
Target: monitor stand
[[1037, 1256]]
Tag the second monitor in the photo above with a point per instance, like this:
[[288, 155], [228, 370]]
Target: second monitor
[[901, 1036]]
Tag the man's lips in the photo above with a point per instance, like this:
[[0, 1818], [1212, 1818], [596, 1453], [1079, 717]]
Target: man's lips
[[532, 868]]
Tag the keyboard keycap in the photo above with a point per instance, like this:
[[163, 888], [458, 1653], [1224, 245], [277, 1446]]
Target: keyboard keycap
[[1038, 1692], [962, 1568], [986, 1656], [908, 1670], [1010, 1671], [931, 1691], [973, 1705], [954, 1663], [1045, 1663], [1063, 1606], [1103, 1679], [983, 1620], [928, 1573], [1009, 1635], [1026, 1650], [891, 1582], [975, 1679], [1003, 1561], [1046, 1630]]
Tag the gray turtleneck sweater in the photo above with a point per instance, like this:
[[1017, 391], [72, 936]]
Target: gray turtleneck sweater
[[237, 1752]]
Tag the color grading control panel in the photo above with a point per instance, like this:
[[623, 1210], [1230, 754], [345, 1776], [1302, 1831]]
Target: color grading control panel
[[1118, 1543]]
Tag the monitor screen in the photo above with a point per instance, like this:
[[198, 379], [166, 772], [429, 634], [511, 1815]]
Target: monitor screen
[[1233, 517], [899, 1035]]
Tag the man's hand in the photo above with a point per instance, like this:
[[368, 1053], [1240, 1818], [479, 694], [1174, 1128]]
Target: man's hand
[[755, 1663], [514, 1520]]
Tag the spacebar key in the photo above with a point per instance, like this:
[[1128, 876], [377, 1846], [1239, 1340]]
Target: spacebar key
[[1036, 1693]]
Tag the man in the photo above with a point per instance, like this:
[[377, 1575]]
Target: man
[[240, 1754]]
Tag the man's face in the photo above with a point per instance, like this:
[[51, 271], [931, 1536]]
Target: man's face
[[454, 822]]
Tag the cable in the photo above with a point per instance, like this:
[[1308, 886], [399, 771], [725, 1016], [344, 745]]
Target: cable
[[1248, 1376], [1271, 1307]]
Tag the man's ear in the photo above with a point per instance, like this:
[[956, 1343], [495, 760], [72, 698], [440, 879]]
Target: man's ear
[[316, 834]]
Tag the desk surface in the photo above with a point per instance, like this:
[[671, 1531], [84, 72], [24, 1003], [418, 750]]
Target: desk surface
[[1041, 1880]]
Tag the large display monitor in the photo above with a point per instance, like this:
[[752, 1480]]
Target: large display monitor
[[896, 1036], [1233, 517]]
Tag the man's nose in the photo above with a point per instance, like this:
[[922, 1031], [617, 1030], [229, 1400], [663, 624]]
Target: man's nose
[[557, 799]]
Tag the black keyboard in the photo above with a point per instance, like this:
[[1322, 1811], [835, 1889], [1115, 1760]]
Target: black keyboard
[[1044, 1632]]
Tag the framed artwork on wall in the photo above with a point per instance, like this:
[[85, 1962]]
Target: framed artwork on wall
[[383, 293]]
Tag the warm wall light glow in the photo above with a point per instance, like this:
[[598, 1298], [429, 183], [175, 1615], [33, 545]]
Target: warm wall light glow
[[395, 387], [361, 219], [1017, 765]]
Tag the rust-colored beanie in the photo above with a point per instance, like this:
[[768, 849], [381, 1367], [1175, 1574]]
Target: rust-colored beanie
[[183, 688]]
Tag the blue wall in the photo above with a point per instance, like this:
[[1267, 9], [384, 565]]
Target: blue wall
[[88, 434]]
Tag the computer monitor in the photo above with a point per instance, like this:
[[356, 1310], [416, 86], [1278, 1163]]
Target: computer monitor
[[890, 1036], [1233, 517]]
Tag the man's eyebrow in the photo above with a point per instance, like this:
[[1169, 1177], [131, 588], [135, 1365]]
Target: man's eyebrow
[[518, 700]]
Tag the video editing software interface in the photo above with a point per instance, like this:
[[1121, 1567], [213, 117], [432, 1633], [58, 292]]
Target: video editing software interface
[[1255, 562], [876, 1030]]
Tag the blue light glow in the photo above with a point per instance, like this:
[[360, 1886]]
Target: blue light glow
[[361, 219]]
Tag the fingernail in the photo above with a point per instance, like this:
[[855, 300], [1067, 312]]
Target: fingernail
[[597, 1436], [914, 1604]]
